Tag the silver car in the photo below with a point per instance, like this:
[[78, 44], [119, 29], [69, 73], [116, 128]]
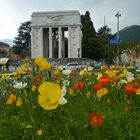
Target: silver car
[[74, 66]]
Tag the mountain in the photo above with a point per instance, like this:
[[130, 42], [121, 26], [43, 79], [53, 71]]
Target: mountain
[[8, 41], [130, 34]]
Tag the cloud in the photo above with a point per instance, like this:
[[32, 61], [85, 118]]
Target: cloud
[[14, 12]]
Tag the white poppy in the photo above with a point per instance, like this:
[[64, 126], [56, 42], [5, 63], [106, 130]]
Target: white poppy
[[66, 72], [3, 61], [123, 81], [137, 70], [130, 77], [20, 85], [62, 99], [90, 68]]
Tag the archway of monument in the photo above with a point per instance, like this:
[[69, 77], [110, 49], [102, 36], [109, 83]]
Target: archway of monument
[[55, 42]]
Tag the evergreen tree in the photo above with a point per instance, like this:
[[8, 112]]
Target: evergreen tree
[[88, 32], [22, 43]]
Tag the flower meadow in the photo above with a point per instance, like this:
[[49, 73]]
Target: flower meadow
[[38, 102]]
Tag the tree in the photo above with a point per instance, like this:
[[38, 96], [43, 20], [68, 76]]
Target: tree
[[88, 32], [94, 45], [105, 35], [22, 43]]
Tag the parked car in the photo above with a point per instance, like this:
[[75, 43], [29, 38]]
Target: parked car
[[95, 64], [74, 66]]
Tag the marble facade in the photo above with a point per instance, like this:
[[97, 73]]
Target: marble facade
[[48, 34]]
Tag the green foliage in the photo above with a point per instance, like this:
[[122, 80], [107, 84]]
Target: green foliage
[[22, 43], [120, 111], [88, 32], [94, 44]]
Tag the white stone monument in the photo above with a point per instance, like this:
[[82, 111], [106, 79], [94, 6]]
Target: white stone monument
[[48, 33]]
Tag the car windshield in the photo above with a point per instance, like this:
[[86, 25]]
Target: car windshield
[[72, 64]]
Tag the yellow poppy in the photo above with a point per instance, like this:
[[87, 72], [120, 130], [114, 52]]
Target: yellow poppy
[[49, 96], [45, 66], [33, 88], [40, 60], [101, 92], [138, 91], [19, 102]]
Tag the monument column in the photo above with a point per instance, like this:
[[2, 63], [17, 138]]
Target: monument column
[[50, 42], [60, 43], [63, 45], [69, 42], [37, 42]]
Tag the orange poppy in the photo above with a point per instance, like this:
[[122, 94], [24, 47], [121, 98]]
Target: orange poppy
[[115, 79], [131, 87], [37, 79], [105, 79]]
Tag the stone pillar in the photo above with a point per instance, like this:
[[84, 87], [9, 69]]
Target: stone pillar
[[36, 42], [54, 46], [79, 43], [60, 43], [63, 45], [50, 42], [69, 42], [74, 42]]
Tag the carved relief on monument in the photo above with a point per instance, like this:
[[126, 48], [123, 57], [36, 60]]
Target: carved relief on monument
[[56, 17]]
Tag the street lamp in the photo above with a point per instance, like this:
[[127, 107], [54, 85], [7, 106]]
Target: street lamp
[[118, 16]]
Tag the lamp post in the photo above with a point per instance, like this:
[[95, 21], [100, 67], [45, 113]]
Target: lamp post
[[118, 16]]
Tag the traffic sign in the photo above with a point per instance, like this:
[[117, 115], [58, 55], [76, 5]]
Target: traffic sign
[[115, 41]]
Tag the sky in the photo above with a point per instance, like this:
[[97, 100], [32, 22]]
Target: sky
[[102, 12]]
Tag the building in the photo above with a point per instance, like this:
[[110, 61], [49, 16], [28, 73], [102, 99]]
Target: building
[[4, 49], [48, 33]]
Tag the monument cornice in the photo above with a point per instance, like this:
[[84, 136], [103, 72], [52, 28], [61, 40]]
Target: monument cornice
[[62, 13], [57, 25]]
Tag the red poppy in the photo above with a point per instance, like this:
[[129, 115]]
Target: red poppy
[[95, 119], [130, 88], [81, 84], [136, 84], [73, 73], [78, 85], [98, 86], [104, 79]]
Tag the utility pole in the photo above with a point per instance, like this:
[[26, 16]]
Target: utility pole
[[118, 16], [104, 21]]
